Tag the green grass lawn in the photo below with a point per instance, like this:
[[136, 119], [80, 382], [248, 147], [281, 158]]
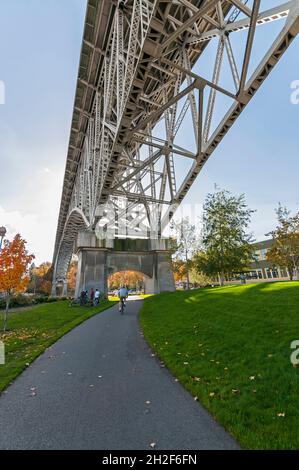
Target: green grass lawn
[[230, 347], [32, 331]]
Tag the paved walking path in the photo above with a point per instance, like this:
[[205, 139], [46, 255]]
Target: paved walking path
[[99, 387]]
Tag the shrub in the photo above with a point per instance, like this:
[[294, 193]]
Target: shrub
[[18, 300]]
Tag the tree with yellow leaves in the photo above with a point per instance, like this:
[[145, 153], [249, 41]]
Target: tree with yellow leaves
[[132, 279], [39, 279], [14, 269], [72, 275]]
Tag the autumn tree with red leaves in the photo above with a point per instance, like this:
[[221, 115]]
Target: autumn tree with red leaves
[[14, 269]]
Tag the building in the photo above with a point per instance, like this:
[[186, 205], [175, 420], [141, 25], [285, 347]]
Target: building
[[264, 269]]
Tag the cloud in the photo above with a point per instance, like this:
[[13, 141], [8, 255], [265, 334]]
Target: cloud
[[34, 212], [32, 229]]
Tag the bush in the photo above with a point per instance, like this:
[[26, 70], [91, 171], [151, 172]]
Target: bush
[[21, 300], [40, 299], [18, 300], [51, 299]]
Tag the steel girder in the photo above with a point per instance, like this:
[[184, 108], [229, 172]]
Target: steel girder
[[137, 74]]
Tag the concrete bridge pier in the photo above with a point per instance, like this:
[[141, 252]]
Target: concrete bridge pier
[[62, 284], [98, 259]]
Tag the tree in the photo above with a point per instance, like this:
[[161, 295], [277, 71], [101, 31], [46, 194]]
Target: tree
[[227, 247], [187, 243], [39, 279], [72, 275], [285, 250], [179, 270], [199, 278], [132, 279], [14, 269]]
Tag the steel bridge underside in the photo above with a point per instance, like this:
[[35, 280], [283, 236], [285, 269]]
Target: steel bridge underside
[[136, 70]]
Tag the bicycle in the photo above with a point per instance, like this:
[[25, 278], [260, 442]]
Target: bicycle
[[122, 305]]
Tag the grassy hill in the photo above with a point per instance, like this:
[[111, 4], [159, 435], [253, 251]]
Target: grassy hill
[[230, 347]]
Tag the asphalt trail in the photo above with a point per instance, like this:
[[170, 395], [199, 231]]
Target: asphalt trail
[[100, 387]]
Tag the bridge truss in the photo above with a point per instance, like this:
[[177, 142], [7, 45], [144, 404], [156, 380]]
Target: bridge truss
[[137, 85]]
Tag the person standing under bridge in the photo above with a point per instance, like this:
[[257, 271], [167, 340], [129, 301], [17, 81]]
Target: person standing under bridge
[[97, 295]]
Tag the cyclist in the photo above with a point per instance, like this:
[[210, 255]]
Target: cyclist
[[122, 294]]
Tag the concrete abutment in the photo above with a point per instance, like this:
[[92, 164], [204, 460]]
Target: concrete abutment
[[98, 259]]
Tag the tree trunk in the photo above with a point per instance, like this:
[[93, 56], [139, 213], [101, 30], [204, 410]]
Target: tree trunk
[[221, 279], [6, 312], [187, 270], [188, 279]]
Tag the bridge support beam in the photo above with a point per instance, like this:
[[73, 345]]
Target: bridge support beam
[[54, 289], [62, 285], [92, 270], [98, 259]]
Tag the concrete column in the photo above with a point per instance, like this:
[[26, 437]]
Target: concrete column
[[92, 271], [64, 288], [165, 273], [53, 290], [162, 279]]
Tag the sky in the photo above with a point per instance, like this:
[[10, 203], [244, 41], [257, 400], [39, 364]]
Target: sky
[[39, 54]]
